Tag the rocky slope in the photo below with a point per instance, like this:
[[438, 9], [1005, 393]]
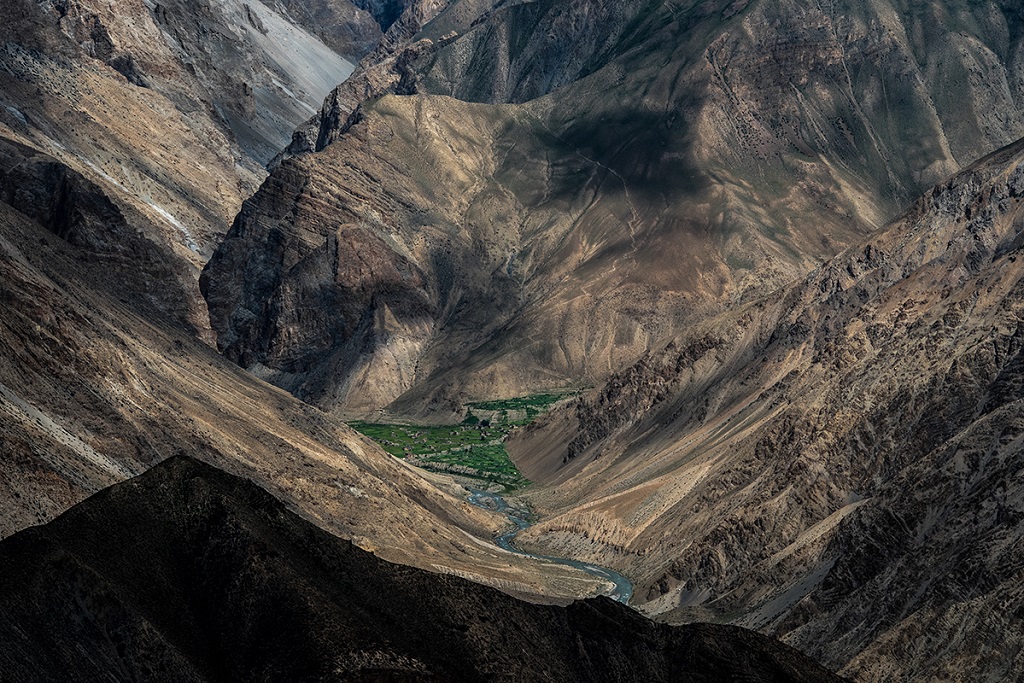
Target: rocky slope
[[258, 72], [626, 168], [117, 177], [385, 70], [838, 464], [188, 573], [120, 167], [172, 109]]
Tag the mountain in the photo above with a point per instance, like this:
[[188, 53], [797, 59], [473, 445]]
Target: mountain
[[189, 574], [531, 195], [350, 29], [838, 464], [503, 198]]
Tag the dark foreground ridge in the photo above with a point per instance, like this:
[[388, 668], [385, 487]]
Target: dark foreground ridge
[[188, 573]]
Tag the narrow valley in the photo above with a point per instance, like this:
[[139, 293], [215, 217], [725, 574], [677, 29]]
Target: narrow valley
[[511, 340], [621, 588]]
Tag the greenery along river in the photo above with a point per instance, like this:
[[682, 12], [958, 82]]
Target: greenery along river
[[475, 449], [623, 587]]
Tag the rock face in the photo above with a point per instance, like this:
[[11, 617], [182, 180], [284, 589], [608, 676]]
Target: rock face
[[386, 70], [838, 464], [241, 66], [257, 71], [626, 168], [79, 212], [189, 574]]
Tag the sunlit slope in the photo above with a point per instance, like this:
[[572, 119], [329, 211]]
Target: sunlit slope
[[838, 463]]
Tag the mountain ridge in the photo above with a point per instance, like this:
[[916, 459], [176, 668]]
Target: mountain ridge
[[236, 588]]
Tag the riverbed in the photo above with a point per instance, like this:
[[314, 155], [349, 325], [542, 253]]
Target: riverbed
[[623, 589]]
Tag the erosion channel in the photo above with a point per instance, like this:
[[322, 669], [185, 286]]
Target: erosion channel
[[623, 589]]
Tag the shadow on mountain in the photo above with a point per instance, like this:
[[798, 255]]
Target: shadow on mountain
[[644, 152]]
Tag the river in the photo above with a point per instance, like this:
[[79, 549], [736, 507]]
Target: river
[[623, 590]]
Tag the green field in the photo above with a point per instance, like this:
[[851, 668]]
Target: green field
[[472, 449], [515, 411]]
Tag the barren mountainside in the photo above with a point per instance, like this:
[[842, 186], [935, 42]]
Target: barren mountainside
[[838, 464], [169, 110], [564, 186], [100, 382]]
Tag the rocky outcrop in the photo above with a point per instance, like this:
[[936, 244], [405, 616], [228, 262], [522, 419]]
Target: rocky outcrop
[[758, 140], [386, 70], [839, 466], [630, 395], [372, 268], [188, 573]]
